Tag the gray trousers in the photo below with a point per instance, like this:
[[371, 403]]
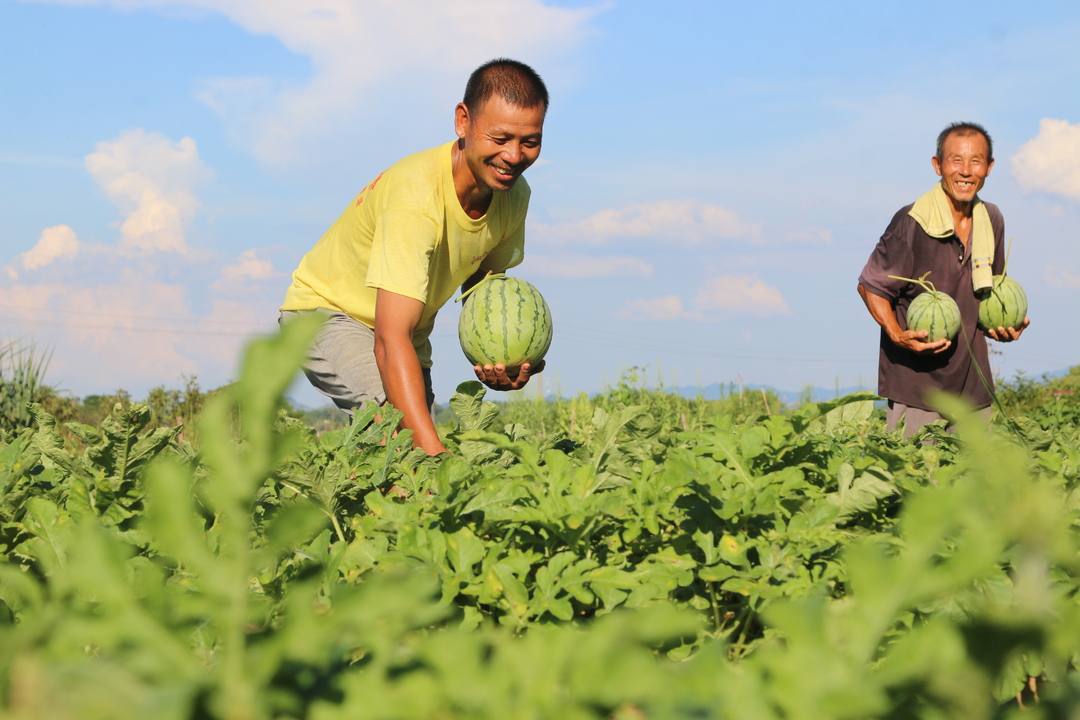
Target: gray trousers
[[341, 361]]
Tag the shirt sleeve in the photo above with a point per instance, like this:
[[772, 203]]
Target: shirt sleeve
[[508, 253], [401, 250], [892, 256]]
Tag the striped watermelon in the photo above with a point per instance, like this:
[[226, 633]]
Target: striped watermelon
[[1004, 305], [505, 321], [932, 311], [936, 313]]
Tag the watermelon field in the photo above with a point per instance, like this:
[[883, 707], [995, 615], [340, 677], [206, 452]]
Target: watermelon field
[[630, 556]]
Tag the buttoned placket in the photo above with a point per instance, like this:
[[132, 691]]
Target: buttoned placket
[[963, 250]]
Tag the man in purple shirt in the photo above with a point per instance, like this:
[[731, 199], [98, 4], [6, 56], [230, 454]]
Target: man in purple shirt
[[936, 235]]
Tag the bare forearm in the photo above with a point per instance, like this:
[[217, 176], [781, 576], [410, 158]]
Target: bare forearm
[[882, 312], [403, 381]]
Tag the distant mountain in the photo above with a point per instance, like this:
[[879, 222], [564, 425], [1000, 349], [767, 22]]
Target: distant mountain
[[296, 404], [717, 391]]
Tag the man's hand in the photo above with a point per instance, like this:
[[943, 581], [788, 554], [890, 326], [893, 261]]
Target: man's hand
[[885, 315], [915, 341], [1008, 334], [495, 377]]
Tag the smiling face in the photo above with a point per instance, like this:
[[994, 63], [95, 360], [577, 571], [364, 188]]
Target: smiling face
[[497, 144], [963, 166]]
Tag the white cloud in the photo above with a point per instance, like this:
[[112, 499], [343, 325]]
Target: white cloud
[[110, 318], [55, 242], [1050, 162], [354, 45], [584, 267], [248, 267], [151, 179], [677, 221], [811, 236], [1057, 277], [662, 309], [134, 331], [719, 298], [740, 294]]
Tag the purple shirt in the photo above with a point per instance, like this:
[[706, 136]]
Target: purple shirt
[[907, 251]]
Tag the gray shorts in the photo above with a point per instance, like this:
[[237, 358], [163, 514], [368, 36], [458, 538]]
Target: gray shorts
[[341, 362], [915, 418]]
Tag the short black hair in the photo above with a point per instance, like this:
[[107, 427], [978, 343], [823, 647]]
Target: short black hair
[[514, 81], [964, 128]]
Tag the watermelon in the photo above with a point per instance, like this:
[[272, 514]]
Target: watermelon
[[505, 321], [935, 312], [1004, 305], [932, 311]]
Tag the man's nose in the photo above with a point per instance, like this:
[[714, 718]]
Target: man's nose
[[512, 153]]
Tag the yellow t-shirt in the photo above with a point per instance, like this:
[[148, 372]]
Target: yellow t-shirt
[[407, 233]]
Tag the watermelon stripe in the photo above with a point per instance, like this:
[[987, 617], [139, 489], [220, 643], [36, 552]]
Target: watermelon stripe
[[935, 312], [1005, 305], [505, 321], [505, 335]]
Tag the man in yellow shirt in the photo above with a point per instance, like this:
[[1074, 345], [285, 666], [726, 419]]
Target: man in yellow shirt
[[433, 221]]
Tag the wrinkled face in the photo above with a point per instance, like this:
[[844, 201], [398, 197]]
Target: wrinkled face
[[963, 166], [500, 141]]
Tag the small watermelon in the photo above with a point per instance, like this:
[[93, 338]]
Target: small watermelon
[[932, 311], [936, 313], [1004, 305], [505, 321]]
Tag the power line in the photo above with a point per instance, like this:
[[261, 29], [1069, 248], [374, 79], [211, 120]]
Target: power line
[[569, 331], [139, 330], [125, 316], [683, 347], [638, 344]]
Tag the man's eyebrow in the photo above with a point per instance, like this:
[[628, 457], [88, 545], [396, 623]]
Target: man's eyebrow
[[503, 132]]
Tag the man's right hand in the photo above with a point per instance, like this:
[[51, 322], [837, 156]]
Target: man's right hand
[[915, 341]]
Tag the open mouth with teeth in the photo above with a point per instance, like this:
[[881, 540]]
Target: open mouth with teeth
[[504, 173], [964, 186]]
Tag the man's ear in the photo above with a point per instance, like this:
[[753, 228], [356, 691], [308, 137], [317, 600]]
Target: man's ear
[[461, 119]]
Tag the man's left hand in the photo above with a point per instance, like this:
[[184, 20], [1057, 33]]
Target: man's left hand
[[495, 377], [1008, 334]]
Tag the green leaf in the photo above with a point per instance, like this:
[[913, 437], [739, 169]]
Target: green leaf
[[860, 494], [471, 409], [464, 550]]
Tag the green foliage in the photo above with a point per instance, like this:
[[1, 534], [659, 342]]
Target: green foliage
[[572, 417], [1050, 402], [22, 381], [659, 561]]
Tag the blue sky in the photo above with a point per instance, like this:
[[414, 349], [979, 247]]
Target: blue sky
[[714, 175]]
